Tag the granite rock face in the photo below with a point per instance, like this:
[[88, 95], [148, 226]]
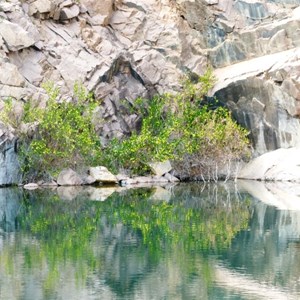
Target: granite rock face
[[263, 94], [9, 165], [124, 49], [279, 165]]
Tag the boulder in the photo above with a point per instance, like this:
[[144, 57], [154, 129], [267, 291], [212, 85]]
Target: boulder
[[14, 36], [31, 186], [171, 178], [88, 179], [68, 13], [160, 168], [40, 6], [48, 183], [10, 75], [99, 10], [278, 165], [101, 174], [69, 177], [159, 179]]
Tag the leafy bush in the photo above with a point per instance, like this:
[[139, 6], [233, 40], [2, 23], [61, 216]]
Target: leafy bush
[[176, 127], [63, 137]]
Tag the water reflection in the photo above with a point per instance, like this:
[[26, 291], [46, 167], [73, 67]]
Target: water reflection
[[189, 241]]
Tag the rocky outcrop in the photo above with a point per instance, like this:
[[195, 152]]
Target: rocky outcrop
[[121, 50], [263, 94], [10, 172], [279, 165], [257, 70]]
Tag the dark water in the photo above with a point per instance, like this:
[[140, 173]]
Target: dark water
[[190, 241]]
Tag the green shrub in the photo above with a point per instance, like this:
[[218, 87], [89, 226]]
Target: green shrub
[[178, 128], [64, 136]]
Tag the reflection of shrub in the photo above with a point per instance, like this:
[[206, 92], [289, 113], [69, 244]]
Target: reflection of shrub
[[73, 238], [172, 224], [176, 127]]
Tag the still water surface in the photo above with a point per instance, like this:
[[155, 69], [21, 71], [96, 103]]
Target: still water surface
[[190, 241]]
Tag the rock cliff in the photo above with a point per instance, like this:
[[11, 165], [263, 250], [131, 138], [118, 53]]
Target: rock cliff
[[123, 49]]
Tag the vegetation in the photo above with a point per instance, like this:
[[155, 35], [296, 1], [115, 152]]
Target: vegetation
[[63, 134], [199, 140], [178, 127]]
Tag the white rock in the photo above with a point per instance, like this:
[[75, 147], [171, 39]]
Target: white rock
[[278, 165], [160, 168], [10, 75], [31, 186], [103, 8], [69, 177], [48, 183], [101, 174], [171, 178], [41, 6], [211, 2], [88, 179], [15, 37], [69, 12], [159, 179]]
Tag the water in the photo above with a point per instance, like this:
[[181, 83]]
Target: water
[[190, 241]]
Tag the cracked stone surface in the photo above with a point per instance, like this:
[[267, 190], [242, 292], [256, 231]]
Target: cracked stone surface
[[122, 50]]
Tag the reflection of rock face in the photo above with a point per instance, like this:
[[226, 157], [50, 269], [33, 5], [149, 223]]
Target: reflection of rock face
[[122, 266], [268, 251], [9, 207], [118, 264]]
